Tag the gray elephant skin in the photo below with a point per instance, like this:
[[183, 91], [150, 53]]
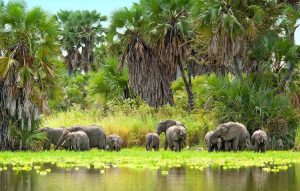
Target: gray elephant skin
[[234, 134], [213, 142], [52, 135], [78, 141], [216, 144], [259, 140], [114, 143], [162, 126], [175, 137], [96, 135], [152, 141]]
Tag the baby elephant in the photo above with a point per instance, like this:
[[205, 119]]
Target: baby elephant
[[260, 140], [175, 137], [113, 143], [152, 141], [213, 144], [78, 141]]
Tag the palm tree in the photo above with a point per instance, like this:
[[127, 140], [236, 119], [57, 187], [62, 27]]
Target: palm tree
[[70, 40], [28, 41], [81, 30], [145, 74], [108, 83], [232, 24], [291, 14], [168, 32]]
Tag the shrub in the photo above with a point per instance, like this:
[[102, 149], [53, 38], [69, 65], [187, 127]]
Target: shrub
[[256, 105]]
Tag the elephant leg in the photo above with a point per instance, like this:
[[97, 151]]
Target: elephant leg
[[47, 145], [227, 146], [166, 145], [176, 145], [263, 148], [209, 148], [235, 144], [256, 149]]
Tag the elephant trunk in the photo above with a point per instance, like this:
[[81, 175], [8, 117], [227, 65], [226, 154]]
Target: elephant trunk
[[61, 140], [249, 144]]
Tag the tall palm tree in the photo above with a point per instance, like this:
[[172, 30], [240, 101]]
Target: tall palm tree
[[28, 41], [145, 75], [233, 23], [81, 30], [168, 33]]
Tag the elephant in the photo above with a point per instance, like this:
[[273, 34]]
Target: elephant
[[78, 141], [213, 143], [259, 141], [221, 145], [152, 141], [164, 125], [234, 134], [96, 134], [175, 137], [52, 135], [113, 143]]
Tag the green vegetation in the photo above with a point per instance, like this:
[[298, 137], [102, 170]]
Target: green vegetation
[[139, 158], [132, 120], [202, 62]]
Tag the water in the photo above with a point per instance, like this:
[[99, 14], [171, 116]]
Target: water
[[178, 179]]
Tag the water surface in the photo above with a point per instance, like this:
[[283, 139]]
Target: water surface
[[177, 179]]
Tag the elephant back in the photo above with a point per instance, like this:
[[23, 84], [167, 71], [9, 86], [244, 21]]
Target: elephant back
[[233, 130]]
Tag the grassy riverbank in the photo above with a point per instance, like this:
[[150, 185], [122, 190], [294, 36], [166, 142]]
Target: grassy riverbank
[[139, 158]]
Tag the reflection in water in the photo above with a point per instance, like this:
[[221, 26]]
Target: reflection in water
[[178, 179]]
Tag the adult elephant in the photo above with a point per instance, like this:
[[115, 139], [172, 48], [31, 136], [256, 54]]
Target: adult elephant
[[52, 136], [175, 137], [96, 134], [163, 126], [232, 133]]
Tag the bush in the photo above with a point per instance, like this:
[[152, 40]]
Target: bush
[[256, 105]]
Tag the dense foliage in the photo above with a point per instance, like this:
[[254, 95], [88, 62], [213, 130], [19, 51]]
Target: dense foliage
[[199, 61]]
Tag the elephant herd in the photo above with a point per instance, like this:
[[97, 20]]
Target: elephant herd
[[227, 136], [235, 136]]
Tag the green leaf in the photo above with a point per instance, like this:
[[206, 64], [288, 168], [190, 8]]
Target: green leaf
[[5, 63]]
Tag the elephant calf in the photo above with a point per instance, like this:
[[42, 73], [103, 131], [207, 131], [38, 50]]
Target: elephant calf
[[217, 144], [175, 137], [113, 143], [152, 141], [78, 141], [163, 126], [213, 143], [259, 140]]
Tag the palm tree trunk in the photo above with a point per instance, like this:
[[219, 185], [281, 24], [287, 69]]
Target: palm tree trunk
[[188, 87], [291, 68], [238, 67]]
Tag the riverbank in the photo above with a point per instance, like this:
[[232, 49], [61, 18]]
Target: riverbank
[[139, 158]]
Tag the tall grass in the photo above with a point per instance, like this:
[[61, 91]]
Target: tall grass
[[132, 123]]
